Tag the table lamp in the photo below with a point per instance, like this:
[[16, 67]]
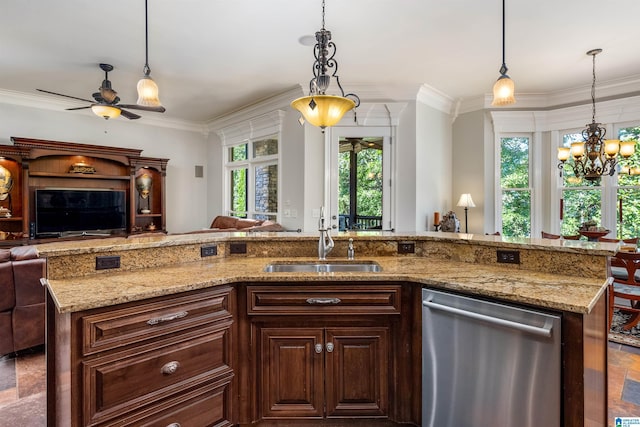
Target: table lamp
[[466, 202]]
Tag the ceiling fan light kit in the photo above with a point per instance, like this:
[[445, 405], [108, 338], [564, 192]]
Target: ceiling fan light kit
[[106, 111], [319, 109], [147, 88]]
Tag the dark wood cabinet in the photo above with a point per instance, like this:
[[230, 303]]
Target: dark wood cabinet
[[153, 362], [326, 351], [34, 164]]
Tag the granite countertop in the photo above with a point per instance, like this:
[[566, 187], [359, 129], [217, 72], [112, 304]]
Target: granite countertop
[[558, 292]]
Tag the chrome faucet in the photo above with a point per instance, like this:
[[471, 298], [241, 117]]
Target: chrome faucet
[[325, 244]]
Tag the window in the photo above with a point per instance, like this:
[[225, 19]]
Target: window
[[252, 170], [515, 186], [628, 190], [581, 199]]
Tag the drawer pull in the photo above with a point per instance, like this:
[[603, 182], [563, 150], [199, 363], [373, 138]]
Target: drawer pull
[[318, 348], [170, 368], [323, 300], [168, 318], [174, 425], [329, 347]]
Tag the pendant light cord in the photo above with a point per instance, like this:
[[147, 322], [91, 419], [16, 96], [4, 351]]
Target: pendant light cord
[[593, 90], [504, 66], [323, 14], [146, 69]]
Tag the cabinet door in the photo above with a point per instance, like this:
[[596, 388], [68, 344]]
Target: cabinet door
[[291, 379], [357, 371]]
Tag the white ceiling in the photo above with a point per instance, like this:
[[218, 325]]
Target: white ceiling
[[210, 57]]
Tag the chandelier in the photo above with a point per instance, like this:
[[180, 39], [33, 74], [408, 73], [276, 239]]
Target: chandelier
[[595, 156], [318, 108]]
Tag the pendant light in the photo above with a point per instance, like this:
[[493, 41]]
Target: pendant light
[[504, 88], [318, 108], [147, 88], [594, 157]]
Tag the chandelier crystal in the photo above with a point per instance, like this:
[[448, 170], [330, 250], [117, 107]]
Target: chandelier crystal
[[594, 157], [319, 109]]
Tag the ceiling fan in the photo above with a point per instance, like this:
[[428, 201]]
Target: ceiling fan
[[106, 102]]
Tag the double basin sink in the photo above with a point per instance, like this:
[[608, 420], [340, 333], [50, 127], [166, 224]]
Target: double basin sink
[[323, 267]]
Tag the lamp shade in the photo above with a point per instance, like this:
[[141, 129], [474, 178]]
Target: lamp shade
[[323, 110], [106, 111], [148, 92], [627, 148], [563, 153], [503, 91], [611, 147], [466, 201]]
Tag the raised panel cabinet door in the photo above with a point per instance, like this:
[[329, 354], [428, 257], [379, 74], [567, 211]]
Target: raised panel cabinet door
[[357, 371], [291, 372]]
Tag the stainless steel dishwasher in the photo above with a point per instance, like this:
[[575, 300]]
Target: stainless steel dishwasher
[[487, 364]]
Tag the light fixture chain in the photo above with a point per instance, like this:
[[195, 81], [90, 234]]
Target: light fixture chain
[[323, 14]]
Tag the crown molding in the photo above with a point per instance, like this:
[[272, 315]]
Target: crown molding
[[436, 99], [612, 89], [48, 103]]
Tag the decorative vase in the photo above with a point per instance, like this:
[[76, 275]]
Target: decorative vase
[[143, 185]]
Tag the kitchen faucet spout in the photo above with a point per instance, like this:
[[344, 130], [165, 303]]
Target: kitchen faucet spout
[[325, 243]]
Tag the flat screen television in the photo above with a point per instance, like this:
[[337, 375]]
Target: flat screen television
[[62, 212]]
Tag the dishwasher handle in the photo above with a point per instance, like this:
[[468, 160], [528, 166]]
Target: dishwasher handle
[[544, 331]]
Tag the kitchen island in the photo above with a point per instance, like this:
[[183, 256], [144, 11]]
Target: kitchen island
[[107, 326]]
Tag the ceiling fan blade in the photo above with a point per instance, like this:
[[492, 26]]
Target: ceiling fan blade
[[66, 96], [128, 114], [159, 109], [78, 108]]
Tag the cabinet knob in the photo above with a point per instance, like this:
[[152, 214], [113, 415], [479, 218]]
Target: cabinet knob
[[318, 348], [170, 367], [329, 347]]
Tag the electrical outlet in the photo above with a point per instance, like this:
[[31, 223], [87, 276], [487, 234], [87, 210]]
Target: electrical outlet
[[238, 248], [107, 262], [210, 250], [406, 247], [508, 257]]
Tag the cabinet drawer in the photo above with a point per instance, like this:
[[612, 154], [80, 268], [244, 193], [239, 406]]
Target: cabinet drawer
[[120, 382], [346, 299], [208, 405], [116, 328]]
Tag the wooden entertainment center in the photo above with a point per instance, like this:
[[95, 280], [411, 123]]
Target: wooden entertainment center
[[32, 164]]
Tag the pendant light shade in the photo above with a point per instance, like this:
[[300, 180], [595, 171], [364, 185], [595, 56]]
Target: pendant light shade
[[503, 91], [504, 88], [106, 111], [327, 111], [147, 88], [318, 108]]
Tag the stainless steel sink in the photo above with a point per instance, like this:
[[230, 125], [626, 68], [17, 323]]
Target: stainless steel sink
[[323, 267]]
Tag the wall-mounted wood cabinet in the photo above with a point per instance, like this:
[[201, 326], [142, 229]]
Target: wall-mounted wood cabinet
[[30, 166]]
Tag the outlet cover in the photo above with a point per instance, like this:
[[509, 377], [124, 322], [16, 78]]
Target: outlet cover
[[107, 262], [406, 247], [209, 250], [508, 257], [238, 248]]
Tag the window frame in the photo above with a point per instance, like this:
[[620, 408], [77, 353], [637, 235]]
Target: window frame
[[250, 164]]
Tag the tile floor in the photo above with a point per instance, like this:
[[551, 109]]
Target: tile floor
[[22, 386]]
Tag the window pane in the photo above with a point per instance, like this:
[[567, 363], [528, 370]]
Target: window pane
[[516, 213], [569, 179], [630, 225], [266, 147], [579, 206], [630, 134], [344, 177], [238, 153], [239, 192], [514, 162], [266, 188]]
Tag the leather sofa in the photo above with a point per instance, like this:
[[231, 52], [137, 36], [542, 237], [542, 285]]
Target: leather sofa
[[22, 299]]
